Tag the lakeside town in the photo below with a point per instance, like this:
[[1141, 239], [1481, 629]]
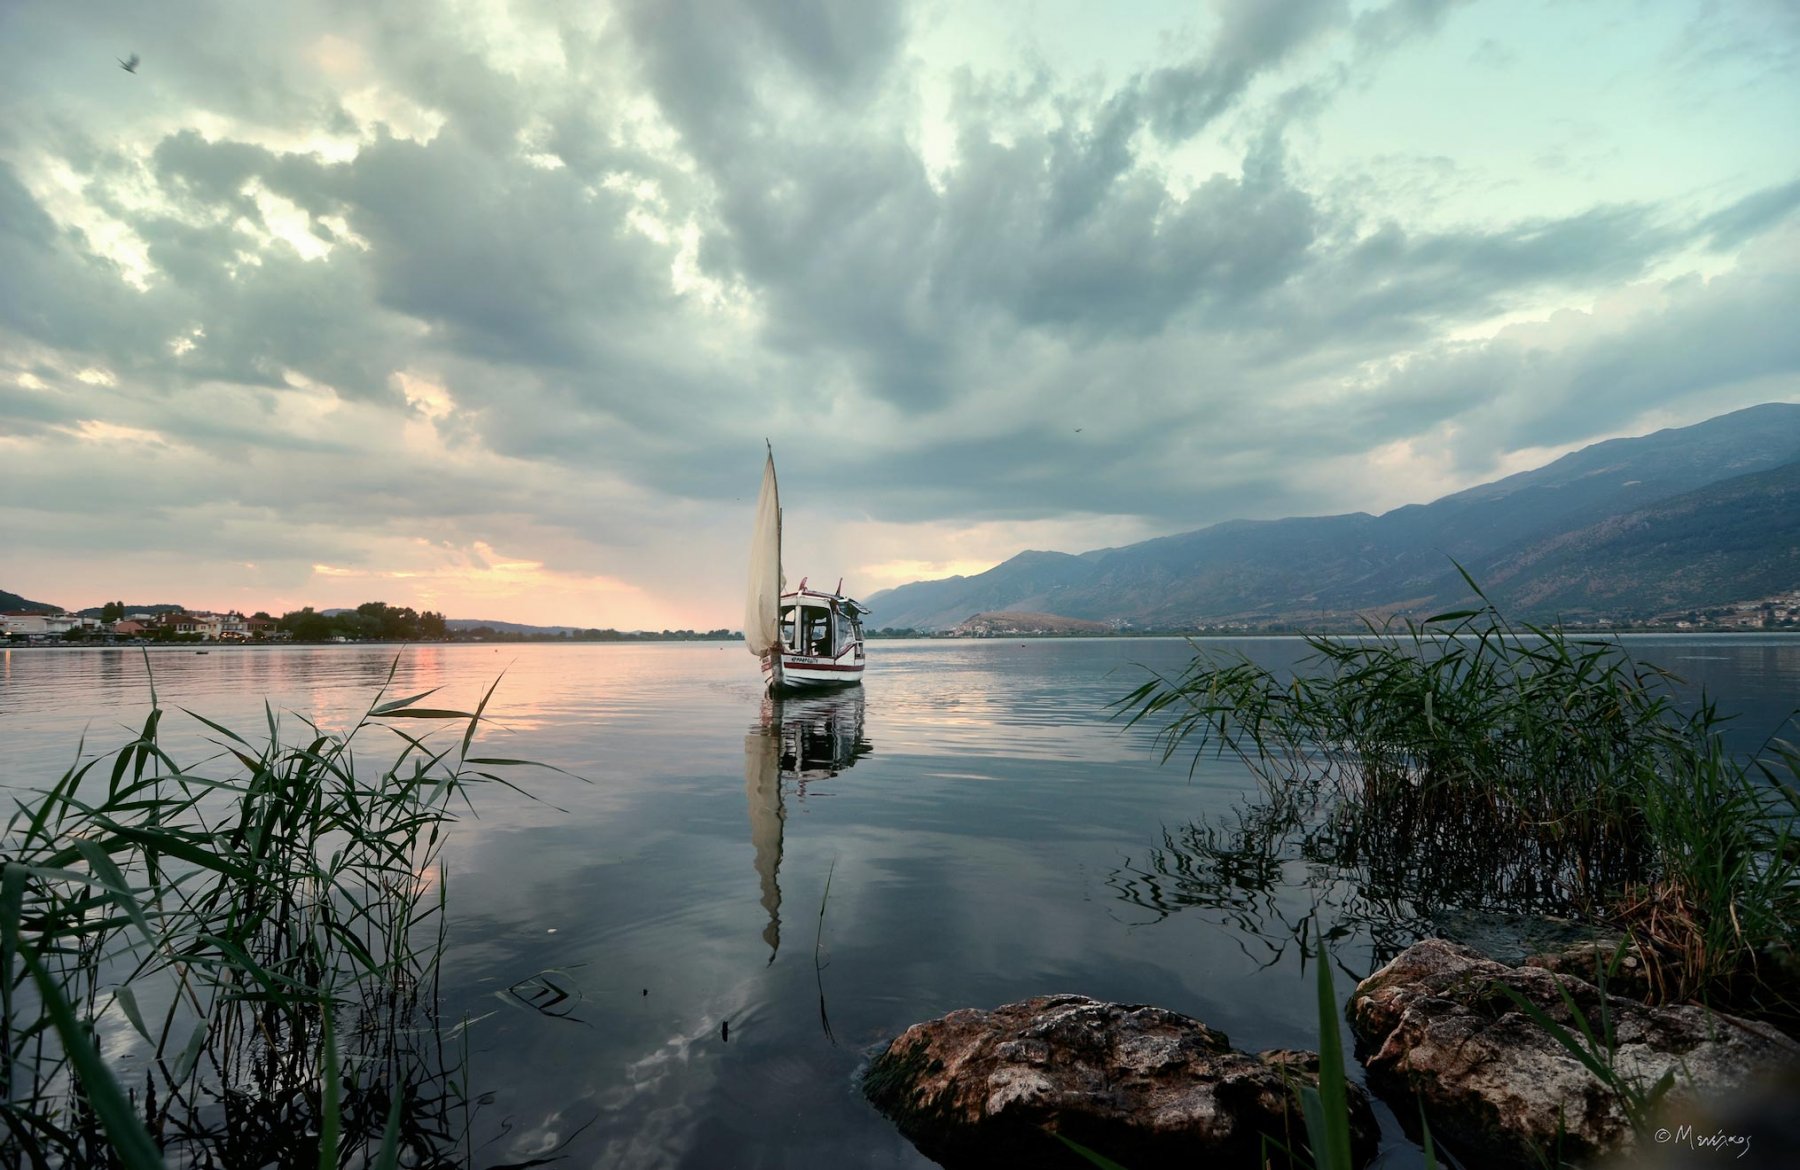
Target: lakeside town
[[374, 621], [377, 621]]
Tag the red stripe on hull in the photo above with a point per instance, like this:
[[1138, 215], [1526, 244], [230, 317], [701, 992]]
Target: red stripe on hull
[[801, 673]]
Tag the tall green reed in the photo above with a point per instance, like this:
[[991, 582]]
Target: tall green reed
[[1525, 768], [217, 919]]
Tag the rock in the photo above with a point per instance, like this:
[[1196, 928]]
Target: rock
[[1499, 1090], [1619, 967], [1141, 1085]]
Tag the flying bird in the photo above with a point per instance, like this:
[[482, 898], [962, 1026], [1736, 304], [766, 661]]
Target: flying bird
[[129, 64]]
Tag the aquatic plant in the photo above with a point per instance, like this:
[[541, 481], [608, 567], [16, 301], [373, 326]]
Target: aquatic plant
[[1326, 1107], [1523, 769], [261, 928]]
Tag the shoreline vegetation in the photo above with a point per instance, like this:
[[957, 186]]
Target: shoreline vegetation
[[488, 635], [262, 927], [1465, 764], [1466, 761], [116, 623]]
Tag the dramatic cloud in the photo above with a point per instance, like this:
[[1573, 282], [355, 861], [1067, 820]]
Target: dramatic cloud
[[494, 311]]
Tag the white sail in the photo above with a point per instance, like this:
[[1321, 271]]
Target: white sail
[[761, 628]]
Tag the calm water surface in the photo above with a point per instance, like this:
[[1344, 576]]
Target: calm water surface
[[987, 832]]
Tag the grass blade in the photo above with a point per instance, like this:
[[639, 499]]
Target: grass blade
[[1327, 1112], [130, 1140], [328, 1098], [1100, 1160]]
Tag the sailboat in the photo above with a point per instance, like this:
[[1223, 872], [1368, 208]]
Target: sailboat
[[805, 637]]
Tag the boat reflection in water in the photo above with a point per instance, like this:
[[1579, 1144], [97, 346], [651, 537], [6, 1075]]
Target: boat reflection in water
[[798, 740]]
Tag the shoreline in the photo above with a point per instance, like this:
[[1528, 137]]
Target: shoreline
[[1204, 635]]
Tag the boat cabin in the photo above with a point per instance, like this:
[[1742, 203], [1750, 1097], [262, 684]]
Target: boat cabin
[[821, 625]]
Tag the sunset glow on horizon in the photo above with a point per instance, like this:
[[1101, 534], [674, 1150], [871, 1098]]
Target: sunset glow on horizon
[[295, 314]]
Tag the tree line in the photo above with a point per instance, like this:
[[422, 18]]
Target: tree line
[[375, 621], [370, 621]]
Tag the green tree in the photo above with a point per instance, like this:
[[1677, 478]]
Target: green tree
[[381, 620], [112, 611], [306, 625]]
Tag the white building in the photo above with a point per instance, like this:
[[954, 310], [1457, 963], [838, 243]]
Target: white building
[[50, 625]]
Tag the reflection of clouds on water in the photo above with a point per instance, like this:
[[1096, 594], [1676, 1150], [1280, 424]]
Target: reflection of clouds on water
[[660, 1091], [1005, 837], [544, 1138], [664, 1091]]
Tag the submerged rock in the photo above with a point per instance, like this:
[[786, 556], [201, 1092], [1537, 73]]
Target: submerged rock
[[1618, 966], [1511, 938], [1144, 1086], [1501, 1091]]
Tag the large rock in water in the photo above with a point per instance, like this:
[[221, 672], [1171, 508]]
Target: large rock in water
[[1144, 1086], [1498, 1090]]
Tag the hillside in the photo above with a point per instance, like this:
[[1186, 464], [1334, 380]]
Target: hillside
[[1681, 518], [1729, 540], [461, 624], [95, 611], [13, 603], [991, 625]]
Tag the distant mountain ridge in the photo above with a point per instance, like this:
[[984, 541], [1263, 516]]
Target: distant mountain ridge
[[508, 627], [1623, 529], [13, 603]]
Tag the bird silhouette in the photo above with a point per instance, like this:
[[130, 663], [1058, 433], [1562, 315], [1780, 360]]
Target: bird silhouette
[[129, 64]]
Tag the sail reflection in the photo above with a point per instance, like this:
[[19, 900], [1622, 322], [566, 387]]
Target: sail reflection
[[797, 741]]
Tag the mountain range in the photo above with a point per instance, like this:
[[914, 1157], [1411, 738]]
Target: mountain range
[[1622, 530]]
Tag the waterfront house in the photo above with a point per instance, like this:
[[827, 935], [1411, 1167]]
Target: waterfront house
[[179, 623], [35, 624]]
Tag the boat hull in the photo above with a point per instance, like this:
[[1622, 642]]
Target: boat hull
[[792, 672]]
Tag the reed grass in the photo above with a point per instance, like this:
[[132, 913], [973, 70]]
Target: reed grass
[[1530, 770], [263, 928]]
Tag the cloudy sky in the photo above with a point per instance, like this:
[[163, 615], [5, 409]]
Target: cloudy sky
[[487, 306]]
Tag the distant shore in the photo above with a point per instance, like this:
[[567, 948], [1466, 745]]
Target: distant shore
[[920, 636]]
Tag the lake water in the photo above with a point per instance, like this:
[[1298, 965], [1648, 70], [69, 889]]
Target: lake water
[[987, 832]]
